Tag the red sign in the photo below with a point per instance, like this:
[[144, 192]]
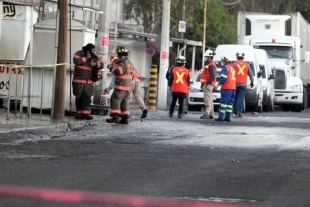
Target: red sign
[[6, 68]]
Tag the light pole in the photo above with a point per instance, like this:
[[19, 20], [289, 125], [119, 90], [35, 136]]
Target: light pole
[[204, 30]]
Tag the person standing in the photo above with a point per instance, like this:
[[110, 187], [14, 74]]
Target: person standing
[[135, 87], [86, 73], [122, 69], [228, 87], [179, 85], [208, 81], [243, 70], [168, 75]]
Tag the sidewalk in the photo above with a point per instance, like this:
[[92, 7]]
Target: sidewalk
[[16, 129]]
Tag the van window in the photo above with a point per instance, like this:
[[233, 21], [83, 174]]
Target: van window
[[262, 70]]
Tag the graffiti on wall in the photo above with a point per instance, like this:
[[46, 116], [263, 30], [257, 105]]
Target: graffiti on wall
[[5, 72], [12, 11]]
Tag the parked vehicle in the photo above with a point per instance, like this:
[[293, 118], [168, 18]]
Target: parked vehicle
[[253, 96], [267, 79], [285, 38], [195, 95]]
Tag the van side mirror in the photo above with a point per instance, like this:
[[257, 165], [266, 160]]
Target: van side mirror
[[271, 77], [259, 74]]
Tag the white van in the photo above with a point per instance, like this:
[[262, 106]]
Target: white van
[[253, 96], [267, 79]]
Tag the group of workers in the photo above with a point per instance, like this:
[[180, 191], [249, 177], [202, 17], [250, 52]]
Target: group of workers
[[233, 82], [125, 80]]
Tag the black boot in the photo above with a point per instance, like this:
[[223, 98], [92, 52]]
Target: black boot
[[114, 119], [87, 117], [144, 114], [124, 121]]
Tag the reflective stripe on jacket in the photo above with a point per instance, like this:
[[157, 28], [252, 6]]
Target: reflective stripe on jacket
[[123, 71]]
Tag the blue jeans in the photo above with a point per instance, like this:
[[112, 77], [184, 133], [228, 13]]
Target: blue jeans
[[170, 101], [239, 99]]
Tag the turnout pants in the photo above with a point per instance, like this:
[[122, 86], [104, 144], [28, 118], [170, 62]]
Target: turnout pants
[[83, 94], [120, 103]]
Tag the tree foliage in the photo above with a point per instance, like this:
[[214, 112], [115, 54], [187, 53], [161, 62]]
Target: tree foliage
[[221, 17]]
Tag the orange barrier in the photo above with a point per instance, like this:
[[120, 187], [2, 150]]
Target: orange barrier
[[79, 197]]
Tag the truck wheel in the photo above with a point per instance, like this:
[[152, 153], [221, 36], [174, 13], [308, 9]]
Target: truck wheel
[[298, 107], [286, 107]]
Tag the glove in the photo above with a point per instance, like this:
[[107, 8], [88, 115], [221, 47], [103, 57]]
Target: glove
[[99, 75], [88, 55], [106, 90], [109, 67], [93, 64], [251, 84], [201, 86]]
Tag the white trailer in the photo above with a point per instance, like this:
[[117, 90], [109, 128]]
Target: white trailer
[[285, 38]]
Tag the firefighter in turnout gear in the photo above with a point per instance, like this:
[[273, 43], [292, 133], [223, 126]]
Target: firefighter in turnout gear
[[208, 81], [243, 70], [228, 86], [123, 71], [86, 73], [179, 85]]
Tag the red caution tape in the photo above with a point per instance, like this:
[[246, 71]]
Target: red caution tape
[[79, 197]]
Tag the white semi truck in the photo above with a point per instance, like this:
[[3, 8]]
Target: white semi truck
[[286, 39]]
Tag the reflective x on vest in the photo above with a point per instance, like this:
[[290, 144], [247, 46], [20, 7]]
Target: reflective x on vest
[[241, 69], [233, 74], [180, 77]]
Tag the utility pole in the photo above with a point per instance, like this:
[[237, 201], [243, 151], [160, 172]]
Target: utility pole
[[60, 84], [164, 56], [103, 40], [204, 31]]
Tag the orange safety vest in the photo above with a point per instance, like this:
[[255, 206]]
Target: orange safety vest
[[242, 71], [231, 79], [205, 74], [180, 80]]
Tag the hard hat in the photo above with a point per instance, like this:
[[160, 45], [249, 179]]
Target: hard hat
[[181, 59], [240, 54], [225, 58], [209, 53]]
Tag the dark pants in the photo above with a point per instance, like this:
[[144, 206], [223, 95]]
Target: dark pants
[[239, 99], [175, 97], [120, 103], [83, 94]]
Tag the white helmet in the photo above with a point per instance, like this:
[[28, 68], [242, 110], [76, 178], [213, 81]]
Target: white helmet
[[225, 58], [181, 59], [209, 53]]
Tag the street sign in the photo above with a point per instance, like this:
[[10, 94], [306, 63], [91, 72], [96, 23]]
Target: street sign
[[182, 26]]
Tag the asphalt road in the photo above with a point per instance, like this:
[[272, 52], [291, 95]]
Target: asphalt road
[[258, 160]]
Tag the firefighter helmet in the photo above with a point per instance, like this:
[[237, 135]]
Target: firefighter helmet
[[122, 51]]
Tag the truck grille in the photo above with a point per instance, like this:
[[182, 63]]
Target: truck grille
[[280, 82]]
